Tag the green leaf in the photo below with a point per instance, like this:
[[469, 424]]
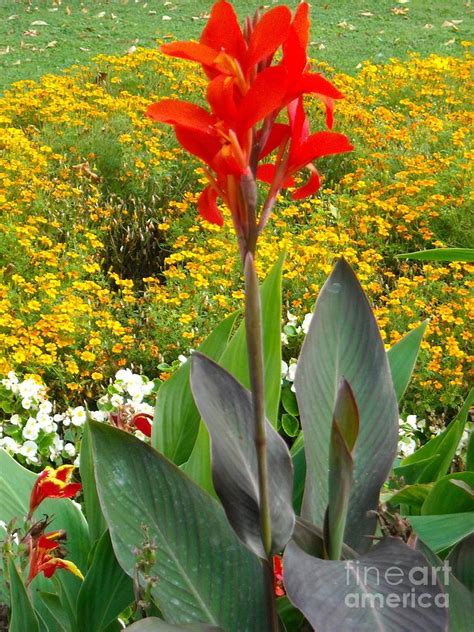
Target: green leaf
[[432, 460], [469, 464], [96, 607], [444, 531], [203, 573], [152, 624], [363, 594], [49, 606], [446, 498], [299, 472], [441, 254], [95, 519], [23, 616], [344, 432], [344, 341], [402, 358], [288, 400], [291, 618], [176, 423], [227, 409], [290, 425], [198, 467], [461, 601], [461, 560], [235, 358], [412, 495]]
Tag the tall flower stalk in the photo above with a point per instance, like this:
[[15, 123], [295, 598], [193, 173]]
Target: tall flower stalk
[[242, 139]]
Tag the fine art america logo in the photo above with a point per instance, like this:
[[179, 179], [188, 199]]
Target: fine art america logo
[[396, 587]]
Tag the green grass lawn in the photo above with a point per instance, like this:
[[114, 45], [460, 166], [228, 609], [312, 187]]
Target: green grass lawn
[[38, 37]]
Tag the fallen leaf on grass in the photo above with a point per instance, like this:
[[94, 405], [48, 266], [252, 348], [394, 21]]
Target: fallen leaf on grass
[[428, 26], [345, 25], [39, 23], [84, 50], [30, 33], [12, 17], [399, 11], [131, 50], [100, 15], [453, 24], [68, 11], [5, 51], [366, 14], [449, 42], [51, 44], [165, 17]]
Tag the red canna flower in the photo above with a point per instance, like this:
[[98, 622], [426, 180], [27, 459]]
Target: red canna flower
[[142, 422], [41, 560], [278, 584], [53, 483], [246, 94]]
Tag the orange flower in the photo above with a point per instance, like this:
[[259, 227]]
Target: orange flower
[[41, 560], [53, 483]]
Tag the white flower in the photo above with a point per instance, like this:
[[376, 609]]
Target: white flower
[[27, 403], [31, 429], [29, 450], [46, 407], [182, 359], [45, 422], [411, 421], [291, 372], [15, 420], [406, 446], [116, 400], [59, 416], [284, 368], [29, 389], [284, 338], [66, 420], [123, 375], [292, 319], [11, 382], [77, 462], [78, 416], [56, 448], [99, 415], [147, 409], [306, 323], [70, 449], [9, 444]]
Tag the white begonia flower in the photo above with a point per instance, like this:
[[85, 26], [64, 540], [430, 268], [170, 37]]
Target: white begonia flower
[[45, 421], [99, 415], [284, 338], [78, 416], [306, 323], [29, 450], [46, 407], [406, 446], [11, 382], [291, 372], [411, 421], [27, 403], [59, 416], [77, 462], [15, 420], [70, 449], [116, 400], [148, 387], [147, 409], [31, 429], [9, 444], [56, 447], [182, 359], [284, 368], [29, 389], [292, 319], [123, 375]]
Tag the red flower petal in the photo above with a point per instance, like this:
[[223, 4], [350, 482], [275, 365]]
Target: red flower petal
[[266, 173], [294, 49], [222, 31], [181, 113], [311, 186], [317, 145], [269, 33], [142, 422], [200, 144], [192, 51], [265, 95], [221, 98], [278, 134], [298, 121], [64, 472], [208, 208], [313, 82]]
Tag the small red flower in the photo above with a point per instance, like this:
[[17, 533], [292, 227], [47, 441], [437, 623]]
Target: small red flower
[[41, 560], [53, 483], [143, 422], [278, 584]]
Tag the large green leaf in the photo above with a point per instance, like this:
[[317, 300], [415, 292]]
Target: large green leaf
[[152, 624], [364, 594], [344, 341], [203, 572], [461, 560], [235, 357], [412, 495], [96, 607], [176, 423], [441, 254], [442, 532], [198, 466], [299, 472], [402, 358], [48, 606], [461, 601], [446, 497], [432, 460], [469, 463], [95, 519], [23, 617], [227, 409]]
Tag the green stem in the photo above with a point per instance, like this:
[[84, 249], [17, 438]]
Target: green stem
[[253, 324]]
